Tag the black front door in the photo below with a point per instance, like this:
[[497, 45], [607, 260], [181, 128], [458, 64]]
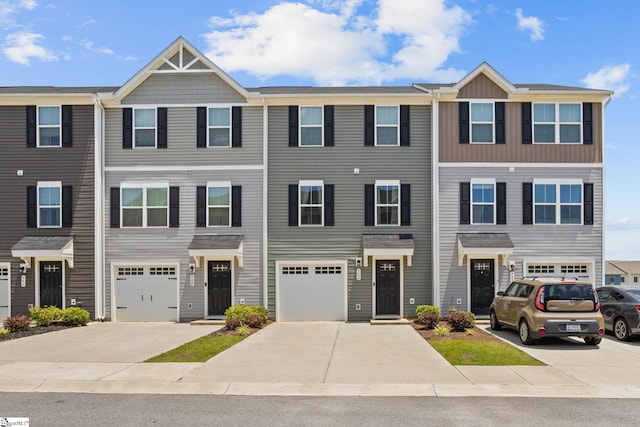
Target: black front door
[[219, 284], [482, 282], [51, 283], [388, 287]]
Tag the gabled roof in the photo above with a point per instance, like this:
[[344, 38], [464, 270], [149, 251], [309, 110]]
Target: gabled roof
[[491, 73], [179, 57], [622, 267]]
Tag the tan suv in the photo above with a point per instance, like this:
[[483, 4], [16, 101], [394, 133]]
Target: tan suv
[[539, 308]]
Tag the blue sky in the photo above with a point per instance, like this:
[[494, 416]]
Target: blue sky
[[586, 43]]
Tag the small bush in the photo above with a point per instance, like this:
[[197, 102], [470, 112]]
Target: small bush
[[461, 321], [3, 331], [45, 316], [75, 316], [428, 319], [254, 321], [442, 331], [251, 315], [17, 323], [243, 330], [421, 309]]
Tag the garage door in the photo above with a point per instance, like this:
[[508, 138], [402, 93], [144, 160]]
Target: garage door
[[4, 293], [311, 292], [567, 270], [146, 293]]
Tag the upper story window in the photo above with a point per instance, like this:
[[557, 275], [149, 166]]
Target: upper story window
[[387, 124], [50, 204], [145, 205], [311, 202], [557, 123], [218, 204], [219, 122], [311, 120], [482, 122], [49, 129], [483, 202], [387, 202], [144, 127], [558, 203]]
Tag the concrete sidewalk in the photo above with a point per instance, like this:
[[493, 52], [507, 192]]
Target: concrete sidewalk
[[313, 358]]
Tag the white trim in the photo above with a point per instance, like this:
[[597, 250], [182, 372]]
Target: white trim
[[63, 254], [496, 276], [134, 128], [313, 183], [144, 186], [559, 260], [205, 268], [228, 127], [321, 126], [470, 253], [519, 165], [38, 126], [98, 217], [265, 205], [435, 196], [390, 183], [488, 71], [483, 181], [219, 184], [218, 254], [492, 122], [558, 204], [176, 168], [45, 258], [374, 287], [49, 184], [7, 265], [376, 126], [556, 123]]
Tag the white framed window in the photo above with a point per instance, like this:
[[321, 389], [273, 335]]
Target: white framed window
[[387, 125], [557, 202], [311, 120], [144, 205], [482, 123], [219, 204], [311, 203], [144, 128], [387, 199], [219, 123], [557, 123], [49, 128], [483, 202], [50, 204]]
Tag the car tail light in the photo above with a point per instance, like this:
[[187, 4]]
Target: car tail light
[[637, 307], [542, 331], [540, 299], [600, 331], [596, 300]]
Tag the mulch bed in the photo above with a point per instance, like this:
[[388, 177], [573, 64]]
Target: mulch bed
[[227, 331], [34, 330], [478, 335]]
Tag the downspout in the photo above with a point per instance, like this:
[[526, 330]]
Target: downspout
[[603, 258], [98, 160], [265, 204], [435, 197]]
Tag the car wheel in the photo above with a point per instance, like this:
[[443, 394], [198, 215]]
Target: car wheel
[[525, 333], [592, 340], [621, 329], [493, 320]]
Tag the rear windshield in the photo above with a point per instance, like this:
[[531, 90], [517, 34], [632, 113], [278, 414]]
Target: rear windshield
[[568, 291], [634, 292]]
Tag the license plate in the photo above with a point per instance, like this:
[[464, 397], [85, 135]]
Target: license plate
[[573, 328]]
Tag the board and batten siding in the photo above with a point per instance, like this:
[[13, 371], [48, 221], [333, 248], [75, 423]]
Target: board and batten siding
[[71, 165], [335, 165], [531, 242], [170, 245]]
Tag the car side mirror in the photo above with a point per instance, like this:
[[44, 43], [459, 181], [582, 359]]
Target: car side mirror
[[500, 294]]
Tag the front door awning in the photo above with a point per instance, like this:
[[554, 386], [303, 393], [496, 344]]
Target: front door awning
[[484, 244], [387, 245], [60, 247], [216, 246]]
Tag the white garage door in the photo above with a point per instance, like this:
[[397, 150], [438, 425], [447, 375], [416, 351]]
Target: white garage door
[[146, 293], [311, 292], [4, 293]]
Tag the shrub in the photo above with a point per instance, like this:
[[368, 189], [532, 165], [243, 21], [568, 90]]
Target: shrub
[[243, 330], [461, 321], [428, 319], [421, 309], [3, 331], [442, 331], [45, 316], [75, 316], [17, 323], [252, 315]]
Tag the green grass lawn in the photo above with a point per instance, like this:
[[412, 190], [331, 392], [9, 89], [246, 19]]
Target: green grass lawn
[[198, 350], [459, 352]]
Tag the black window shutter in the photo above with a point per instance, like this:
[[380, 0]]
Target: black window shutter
[[236, 127], [500, 136], [588, 203], [328, 125], [31, 126], [67, 209], [405, 204], [162, 127], [32, 206], [526, 123], [463, 122], [174, 206], [527, 203], [328, 205], [405, 129], [293, 126], [67, 126], [115, 207], [236, 206], [501, 202], [465, 203], [201, 206], [587, 123], [293, 205], [127, 128], [201, 130], [369, 126], [369, 205]]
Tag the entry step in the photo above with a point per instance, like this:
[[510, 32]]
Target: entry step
[[389, 321], [208, 322]]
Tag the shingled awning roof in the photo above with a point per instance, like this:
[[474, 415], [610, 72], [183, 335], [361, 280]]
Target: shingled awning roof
[[484, 244], [216, 245], [44, 246], [387, 245]]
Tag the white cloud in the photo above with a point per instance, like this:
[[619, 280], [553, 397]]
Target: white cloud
[[329, 42], [87, 22], [9, 8], [611, 77], [87, 44], [22, 47], [28, 4], [532, 24]]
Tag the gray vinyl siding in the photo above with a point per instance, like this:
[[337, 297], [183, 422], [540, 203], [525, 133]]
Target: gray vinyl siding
[[183, 88], [71, 165], [335, 165], [181, 142], [530, 241], [170, 245]]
